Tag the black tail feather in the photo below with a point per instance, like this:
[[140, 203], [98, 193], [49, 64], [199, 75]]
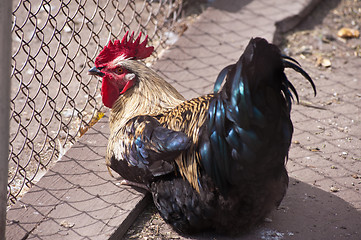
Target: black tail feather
[[237, 114], [297, 68]]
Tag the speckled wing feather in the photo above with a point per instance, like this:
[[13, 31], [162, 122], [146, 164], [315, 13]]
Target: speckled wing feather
[[189, 117], [149, 150]]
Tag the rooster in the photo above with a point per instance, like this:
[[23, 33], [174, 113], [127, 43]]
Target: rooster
[[216, 162]]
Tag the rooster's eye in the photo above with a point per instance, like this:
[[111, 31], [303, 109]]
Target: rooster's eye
[[119, 70]]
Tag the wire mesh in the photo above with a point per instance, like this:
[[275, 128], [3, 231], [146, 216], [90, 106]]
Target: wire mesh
[[53, 100]]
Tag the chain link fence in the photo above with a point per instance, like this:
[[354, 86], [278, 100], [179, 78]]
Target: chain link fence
[[53, 100]]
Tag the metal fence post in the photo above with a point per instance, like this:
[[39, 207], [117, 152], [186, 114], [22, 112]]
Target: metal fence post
[[5, 56]]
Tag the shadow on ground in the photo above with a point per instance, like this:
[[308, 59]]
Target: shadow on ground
[[306, 212]]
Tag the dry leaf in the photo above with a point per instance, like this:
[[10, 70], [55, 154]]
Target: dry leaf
[[93, 121], [348, 33], [326, 62], [315, 149], [67, 224]]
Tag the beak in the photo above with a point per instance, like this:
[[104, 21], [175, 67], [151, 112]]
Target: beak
[[95, 71]]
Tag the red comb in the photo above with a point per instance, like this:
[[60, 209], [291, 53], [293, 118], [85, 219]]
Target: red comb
[[126, 48]]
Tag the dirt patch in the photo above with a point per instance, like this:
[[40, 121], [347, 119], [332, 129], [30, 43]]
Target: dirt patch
[[317, 38]]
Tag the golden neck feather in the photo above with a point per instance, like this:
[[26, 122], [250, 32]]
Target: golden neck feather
[[151, 95]]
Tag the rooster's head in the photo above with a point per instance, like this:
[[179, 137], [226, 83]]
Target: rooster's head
[[110, 65]]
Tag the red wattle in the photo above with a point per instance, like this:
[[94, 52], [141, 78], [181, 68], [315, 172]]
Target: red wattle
[[109, 93]]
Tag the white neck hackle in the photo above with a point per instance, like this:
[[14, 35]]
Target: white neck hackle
[[151, 95]]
